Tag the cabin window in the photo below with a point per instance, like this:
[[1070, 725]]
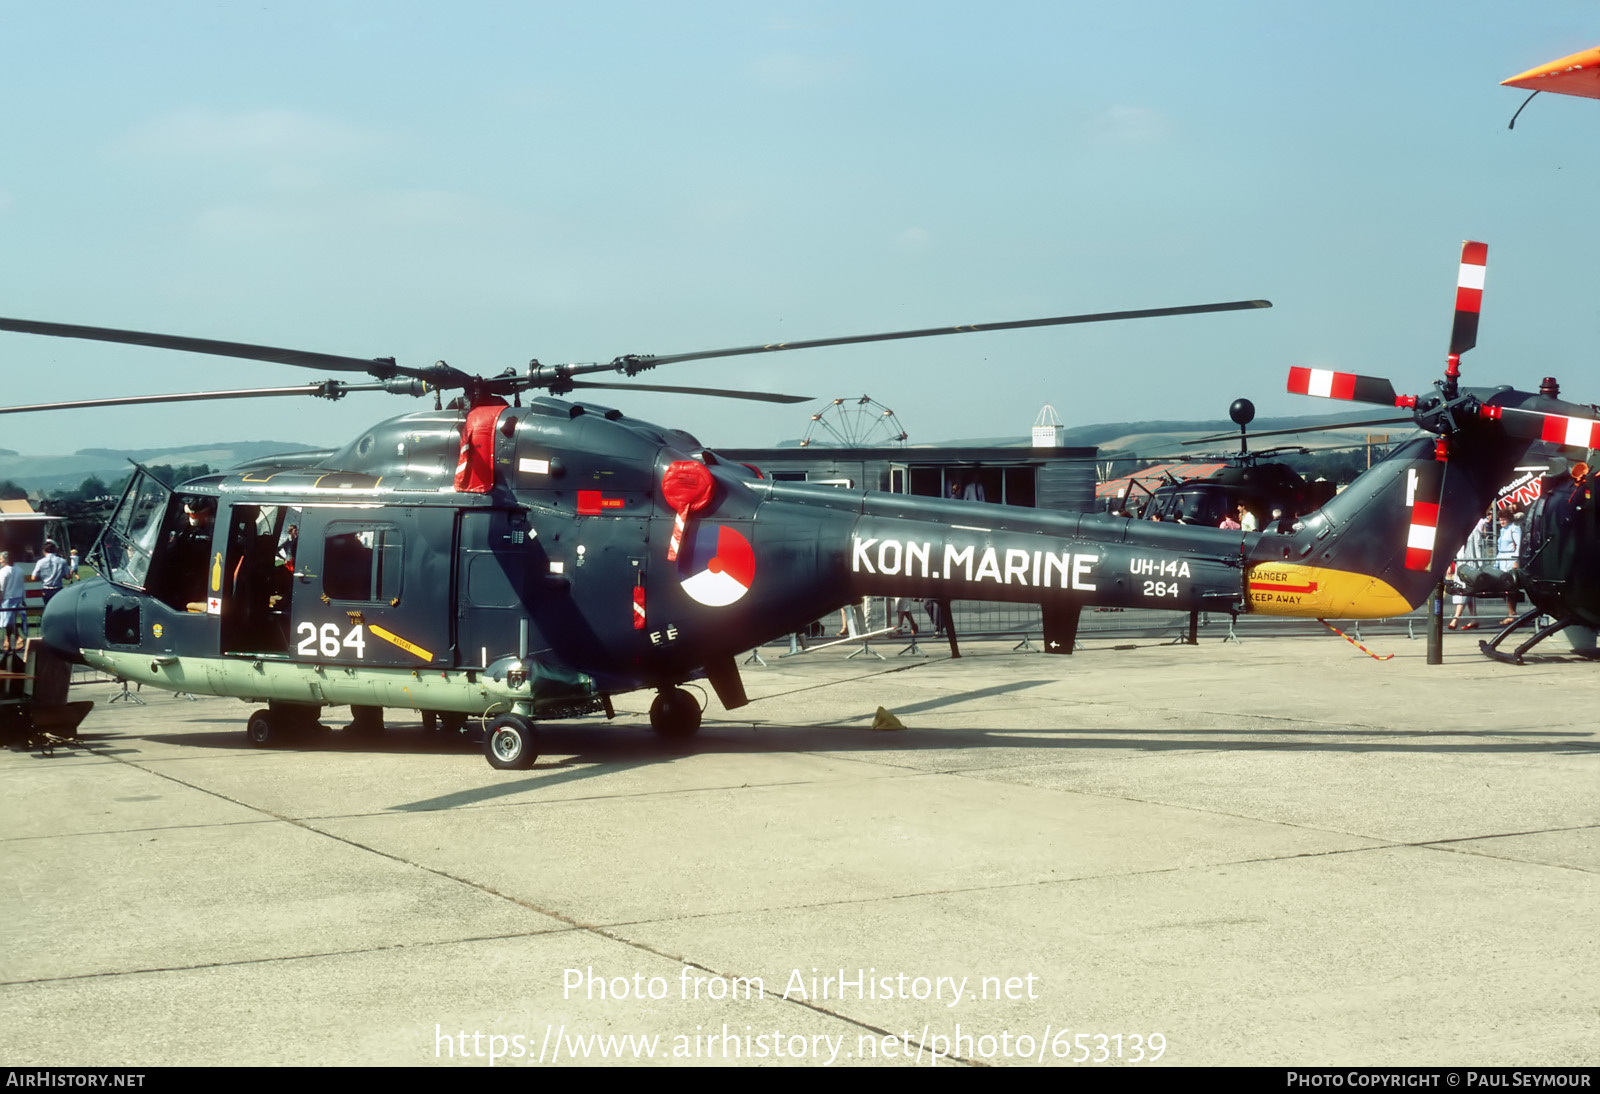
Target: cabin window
[[361, 562], [122, 621]]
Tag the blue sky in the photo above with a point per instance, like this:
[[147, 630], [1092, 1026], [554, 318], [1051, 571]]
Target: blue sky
[[486, 183]]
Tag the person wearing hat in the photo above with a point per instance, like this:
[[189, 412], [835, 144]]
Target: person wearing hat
[[50, 571], [191, 554]]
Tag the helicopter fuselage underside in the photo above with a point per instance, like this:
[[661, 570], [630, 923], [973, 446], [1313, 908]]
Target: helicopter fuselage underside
[[264, 681]]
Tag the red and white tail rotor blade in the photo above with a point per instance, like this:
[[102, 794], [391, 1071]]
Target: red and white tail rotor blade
[[1341, 385], [1469, 296], [1554, 428]]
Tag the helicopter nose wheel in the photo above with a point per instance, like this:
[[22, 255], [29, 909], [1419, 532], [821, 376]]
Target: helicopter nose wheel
[[510, 744], [675, 714]]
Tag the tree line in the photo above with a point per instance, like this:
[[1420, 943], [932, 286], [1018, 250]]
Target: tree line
[[86, 506]]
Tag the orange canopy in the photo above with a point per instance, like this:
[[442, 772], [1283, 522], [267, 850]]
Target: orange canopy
[[1578, 74], [1151, 477]]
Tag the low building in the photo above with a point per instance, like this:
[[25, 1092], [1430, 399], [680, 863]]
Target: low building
[[1061, 478]]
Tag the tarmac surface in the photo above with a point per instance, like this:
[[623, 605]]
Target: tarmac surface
[[1273, 852]]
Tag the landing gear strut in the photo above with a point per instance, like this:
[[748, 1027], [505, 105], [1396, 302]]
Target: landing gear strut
[[272, 727], [675, 714], [365, 722], [446, 721]]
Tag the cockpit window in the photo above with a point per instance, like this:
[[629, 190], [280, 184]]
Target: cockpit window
[[1194, 506]]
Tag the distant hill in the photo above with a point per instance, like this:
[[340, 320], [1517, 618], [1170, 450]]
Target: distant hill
[[236, 451], [47, 473]]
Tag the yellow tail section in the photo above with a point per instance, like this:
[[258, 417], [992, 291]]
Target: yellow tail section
[[1312, 592]]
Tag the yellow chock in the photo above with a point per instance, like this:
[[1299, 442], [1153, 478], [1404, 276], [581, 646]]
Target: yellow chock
[[885, 720]]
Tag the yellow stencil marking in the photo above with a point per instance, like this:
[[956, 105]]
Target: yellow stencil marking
[[395, 640]]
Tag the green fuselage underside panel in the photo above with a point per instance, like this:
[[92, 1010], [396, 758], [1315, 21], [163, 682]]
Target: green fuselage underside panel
[[262, 681]]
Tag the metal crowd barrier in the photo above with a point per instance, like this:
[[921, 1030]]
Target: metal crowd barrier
[[875, 619]]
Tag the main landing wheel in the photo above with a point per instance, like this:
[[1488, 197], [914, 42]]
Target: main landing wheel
[[264, 730], [510, 745], [675, 714]]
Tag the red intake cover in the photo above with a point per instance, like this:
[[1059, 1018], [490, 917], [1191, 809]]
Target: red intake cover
[[475, 470], [687, 485]]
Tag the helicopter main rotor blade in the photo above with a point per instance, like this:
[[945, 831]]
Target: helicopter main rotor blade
[[381, 367], [632, 364], [328, 389], [755, 396], [1303, 429], [1224, 457]]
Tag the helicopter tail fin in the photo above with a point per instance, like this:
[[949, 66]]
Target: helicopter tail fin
[[1373, 553]]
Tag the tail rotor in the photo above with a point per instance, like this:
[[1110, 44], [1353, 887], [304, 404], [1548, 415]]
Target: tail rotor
[[1425, 483]]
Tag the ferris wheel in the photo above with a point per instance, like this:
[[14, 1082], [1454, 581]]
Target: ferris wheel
[[854, 423]]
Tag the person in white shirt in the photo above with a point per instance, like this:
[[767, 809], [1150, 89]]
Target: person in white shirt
[[50, 571], [13, 604], [1508, 545]]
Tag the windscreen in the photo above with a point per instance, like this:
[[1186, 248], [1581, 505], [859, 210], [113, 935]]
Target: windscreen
[[122, 553]]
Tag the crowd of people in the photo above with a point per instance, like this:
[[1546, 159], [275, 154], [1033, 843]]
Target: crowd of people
[[50, 570], [1499, 545]]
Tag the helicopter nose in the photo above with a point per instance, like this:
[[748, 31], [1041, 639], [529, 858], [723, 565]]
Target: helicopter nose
[[59, 626]]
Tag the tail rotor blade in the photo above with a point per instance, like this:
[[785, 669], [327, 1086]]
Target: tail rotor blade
[[1554, 428], [1469, 296], [1341, 385]]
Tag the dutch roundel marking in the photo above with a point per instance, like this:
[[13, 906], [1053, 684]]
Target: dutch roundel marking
[[716, 565]]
